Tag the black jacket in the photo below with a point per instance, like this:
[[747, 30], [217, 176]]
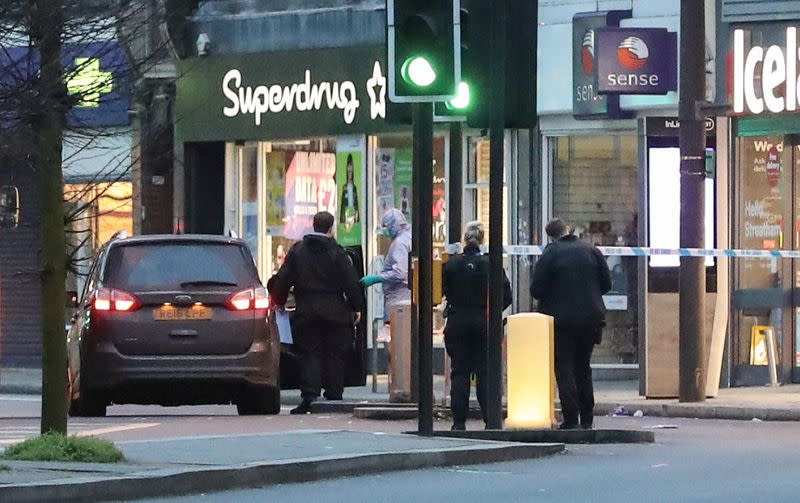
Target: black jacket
[[569, 281], [465, 282], [324, 279]]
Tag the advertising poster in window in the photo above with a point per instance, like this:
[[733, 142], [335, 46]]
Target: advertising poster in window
[[310, 187], [274, 195], [439, 201], [385, 180], [402, 181], [761, 220], [350, 189]]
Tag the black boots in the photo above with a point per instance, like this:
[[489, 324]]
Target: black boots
[[304, 407], [332, 395]]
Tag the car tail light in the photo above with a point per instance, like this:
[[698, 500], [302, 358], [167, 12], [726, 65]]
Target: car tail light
[[262, 299], [252, 298], [111, 299]]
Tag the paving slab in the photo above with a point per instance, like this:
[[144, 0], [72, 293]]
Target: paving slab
[[205, 464]]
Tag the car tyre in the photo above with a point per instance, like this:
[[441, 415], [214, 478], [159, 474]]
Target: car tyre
[[260, 401]]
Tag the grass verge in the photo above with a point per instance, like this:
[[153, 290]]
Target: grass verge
[[57, 447]]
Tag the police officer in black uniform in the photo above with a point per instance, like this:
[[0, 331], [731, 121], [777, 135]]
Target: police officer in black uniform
[[465, 284]]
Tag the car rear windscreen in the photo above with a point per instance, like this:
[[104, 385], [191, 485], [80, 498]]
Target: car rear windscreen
[[148, 267]]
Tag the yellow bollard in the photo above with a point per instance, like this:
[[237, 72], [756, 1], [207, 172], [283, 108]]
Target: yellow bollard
[[530, 366]]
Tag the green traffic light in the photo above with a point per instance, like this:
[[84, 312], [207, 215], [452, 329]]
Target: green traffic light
[[462, 99], [418, 71]]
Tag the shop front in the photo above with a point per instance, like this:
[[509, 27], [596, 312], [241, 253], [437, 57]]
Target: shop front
[[593, 147], [765, 149], [269, 139]]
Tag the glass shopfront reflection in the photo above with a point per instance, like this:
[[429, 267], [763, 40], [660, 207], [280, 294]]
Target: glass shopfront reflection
[[595, 191], [765, 290]]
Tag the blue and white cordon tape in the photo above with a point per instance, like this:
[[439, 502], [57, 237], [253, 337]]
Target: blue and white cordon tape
[[637, 251]]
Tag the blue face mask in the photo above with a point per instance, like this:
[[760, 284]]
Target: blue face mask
[[386, 232]]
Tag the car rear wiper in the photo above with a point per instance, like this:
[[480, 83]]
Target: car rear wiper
[[207, 282]]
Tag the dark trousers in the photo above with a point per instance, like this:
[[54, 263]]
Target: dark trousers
[[321, 345], [465, 341], [574, 347]]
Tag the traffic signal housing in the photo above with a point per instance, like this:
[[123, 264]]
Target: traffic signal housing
[[458, 107], [519, 48], [424, 65]]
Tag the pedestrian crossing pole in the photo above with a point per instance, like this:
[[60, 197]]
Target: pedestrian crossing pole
[[422, 117], [497, 72]]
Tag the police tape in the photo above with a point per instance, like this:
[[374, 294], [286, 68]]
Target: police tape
[[637, 251]]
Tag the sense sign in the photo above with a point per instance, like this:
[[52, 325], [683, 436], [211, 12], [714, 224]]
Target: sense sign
[[636, 61]]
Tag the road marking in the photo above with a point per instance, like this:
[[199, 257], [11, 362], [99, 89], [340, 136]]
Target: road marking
[[115, 429], [235, 435], [20, 398], [15, 434]]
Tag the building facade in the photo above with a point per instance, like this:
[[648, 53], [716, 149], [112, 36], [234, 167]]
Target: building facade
[[759, 82]]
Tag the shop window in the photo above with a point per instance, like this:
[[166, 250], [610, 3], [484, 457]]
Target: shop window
[[476, 189], [595, 191], [393, 184], [299, 179], [248, 196], [762, 212], [94, 213]]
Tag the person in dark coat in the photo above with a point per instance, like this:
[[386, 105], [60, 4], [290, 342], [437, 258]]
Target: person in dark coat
[[465, 285], [569, 282], [329, 303]]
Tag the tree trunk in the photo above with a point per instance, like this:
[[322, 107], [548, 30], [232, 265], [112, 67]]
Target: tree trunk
[[48, 125]]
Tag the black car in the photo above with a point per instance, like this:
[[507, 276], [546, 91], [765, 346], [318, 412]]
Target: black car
[[173, 320]]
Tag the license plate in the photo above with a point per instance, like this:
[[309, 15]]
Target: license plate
[[172, 313]]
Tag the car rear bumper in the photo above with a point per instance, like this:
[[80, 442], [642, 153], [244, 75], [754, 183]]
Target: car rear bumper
[[110, 370]]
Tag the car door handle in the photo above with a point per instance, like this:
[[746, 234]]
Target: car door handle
[[183, 333]]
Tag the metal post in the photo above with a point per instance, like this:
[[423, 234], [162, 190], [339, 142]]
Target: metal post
[[494, 402], [692, 275], [455, 179], [415, 230], [772, 355], [423, 189]]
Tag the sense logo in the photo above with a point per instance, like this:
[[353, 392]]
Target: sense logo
[[587, 53], [633, 53]]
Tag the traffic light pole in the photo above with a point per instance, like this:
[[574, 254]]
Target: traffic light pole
[[422, 116], [455, 181], [692, 273], [494, 402]]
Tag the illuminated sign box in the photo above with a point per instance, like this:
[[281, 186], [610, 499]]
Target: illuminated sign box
[[97, 74], [636, 61]]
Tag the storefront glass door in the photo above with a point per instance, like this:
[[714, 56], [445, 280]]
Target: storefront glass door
[[764, 290], [594, 190], [793, 358], [247, 167]]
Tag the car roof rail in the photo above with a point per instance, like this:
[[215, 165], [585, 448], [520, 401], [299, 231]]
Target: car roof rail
[[232, 234], [120, 234]]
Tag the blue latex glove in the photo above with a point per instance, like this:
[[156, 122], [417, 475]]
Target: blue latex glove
[[370, 280]]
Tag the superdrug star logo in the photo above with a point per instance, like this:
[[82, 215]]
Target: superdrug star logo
[[587, 53], [632, 53], [376, 89]]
